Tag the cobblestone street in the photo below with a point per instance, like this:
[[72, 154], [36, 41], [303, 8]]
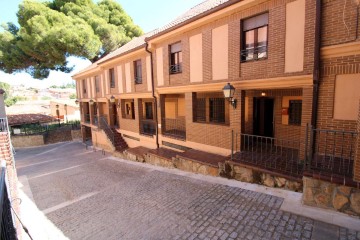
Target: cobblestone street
[[88, 195]]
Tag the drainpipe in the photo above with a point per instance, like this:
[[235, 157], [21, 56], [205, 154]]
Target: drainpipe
[[316, 70], [153, 93]]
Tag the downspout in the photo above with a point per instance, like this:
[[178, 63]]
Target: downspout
[[153, 93], [316, 70]]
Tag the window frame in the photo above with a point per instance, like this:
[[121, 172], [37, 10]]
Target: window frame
[[295, 118], [255, 49], [176, 56], [128, 109], [205, 113], [137, 64], [112, 78]]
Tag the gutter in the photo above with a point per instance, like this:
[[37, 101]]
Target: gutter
[[153, 93], [316, 70]]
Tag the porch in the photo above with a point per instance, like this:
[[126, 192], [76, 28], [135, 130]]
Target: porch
[[173, 116]]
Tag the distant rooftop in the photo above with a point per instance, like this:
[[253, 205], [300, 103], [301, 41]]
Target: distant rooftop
[[21, 119]]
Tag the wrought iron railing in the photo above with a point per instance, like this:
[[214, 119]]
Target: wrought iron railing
[[176, 68], [3, 125], [7, 229], [174, 127], [138, 80], [148, 127], [332, 152], [107, 129], [254, 53], [274, 154]]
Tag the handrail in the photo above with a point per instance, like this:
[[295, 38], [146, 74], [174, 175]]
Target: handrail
[[107, 129]]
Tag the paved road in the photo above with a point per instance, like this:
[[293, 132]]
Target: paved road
[[91, 196]]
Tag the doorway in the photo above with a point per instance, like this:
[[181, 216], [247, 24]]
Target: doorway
[[115, 115], [263, 116]]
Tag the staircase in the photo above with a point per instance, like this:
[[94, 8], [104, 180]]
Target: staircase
[[114, 136]]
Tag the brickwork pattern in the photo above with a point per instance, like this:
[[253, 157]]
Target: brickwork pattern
[[130, 124], [334, 14], [357, 155]]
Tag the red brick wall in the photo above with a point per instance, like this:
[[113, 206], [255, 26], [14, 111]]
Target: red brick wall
[[334, 14]]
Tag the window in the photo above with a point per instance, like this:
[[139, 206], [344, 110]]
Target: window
[[254, 38], [84, 86], [112, 78], [295, 107], [128, 109], [137, 72], [210, 108], [217, 110], [97, 84], [148, 110], [175, 58]]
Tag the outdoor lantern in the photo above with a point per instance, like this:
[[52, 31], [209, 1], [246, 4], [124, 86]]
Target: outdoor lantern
[[112, 99], [76, 101], [229, 91], [91, 102], [57, 106]]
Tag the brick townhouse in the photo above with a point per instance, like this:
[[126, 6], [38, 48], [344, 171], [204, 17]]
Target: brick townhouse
[[271, 84]]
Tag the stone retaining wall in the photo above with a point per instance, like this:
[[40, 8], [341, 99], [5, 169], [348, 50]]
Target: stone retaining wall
[[158, 161], [27, 141], [195, 167], [332, 196], [245, 174]]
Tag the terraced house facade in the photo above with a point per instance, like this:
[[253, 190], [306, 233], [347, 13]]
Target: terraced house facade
[[293, 68]]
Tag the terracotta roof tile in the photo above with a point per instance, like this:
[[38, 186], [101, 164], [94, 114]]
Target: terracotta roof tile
[[20, 119]]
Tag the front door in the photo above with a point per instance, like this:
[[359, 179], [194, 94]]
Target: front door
[[263, 116]]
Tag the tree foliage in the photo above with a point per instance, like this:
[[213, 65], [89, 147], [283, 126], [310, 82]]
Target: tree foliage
[[50, 32]]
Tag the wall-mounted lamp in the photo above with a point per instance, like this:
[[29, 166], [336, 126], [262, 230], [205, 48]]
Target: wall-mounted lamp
[[263, 94], [91, 102], [112, 99], [57, 106], [229, 91], [76, 101]]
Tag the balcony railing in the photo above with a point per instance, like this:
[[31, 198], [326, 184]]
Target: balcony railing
[[3, 125], [273, 154], [138, 80], [254, 53], [176, 68], [148, 127], [174, 127], [7, 228]]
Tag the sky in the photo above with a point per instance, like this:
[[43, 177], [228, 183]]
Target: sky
[[147, 14]]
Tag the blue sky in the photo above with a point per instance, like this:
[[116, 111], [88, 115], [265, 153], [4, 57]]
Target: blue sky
[[147, 14]]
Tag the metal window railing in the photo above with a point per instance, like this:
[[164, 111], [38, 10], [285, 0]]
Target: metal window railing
[[148, 127], [87, 118], [3, 125], [174, 127], [255, 53], [138, 80], [176, 68]]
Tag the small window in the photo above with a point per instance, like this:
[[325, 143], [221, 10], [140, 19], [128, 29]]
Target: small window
[[210, 108], [295, 108], [84, 86], [175, 58], [255, 38], [112, 78], [128, 109], [217, 110], [148, 110], [97, 84], [137, 72]]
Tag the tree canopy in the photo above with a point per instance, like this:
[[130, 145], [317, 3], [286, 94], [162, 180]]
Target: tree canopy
[[50, 32]]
